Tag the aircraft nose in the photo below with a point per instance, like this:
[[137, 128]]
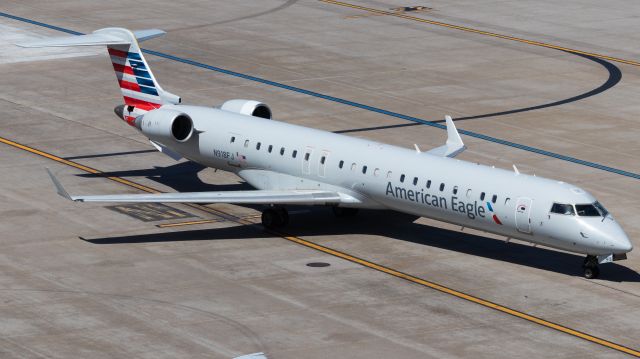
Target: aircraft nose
[[619, 240]]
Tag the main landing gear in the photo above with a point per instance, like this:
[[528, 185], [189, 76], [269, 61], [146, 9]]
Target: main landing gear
[[275, 217], [590, 267]]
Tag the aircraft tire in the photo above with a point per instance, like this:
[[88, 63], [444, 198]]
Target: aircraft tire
[[591, 272], [283, 216], [270, 218]]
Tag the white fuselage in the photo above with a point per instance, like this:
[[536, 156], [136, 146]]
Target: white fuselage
[[450, 190]]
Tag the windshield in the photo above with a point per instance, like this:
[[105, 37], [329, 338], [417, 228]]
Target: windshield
[[587, 210], [601, 208], [561, 208]]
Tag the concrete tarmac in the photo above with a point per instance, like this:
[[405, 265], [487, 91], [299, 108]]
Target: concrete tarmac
[[92, 280]]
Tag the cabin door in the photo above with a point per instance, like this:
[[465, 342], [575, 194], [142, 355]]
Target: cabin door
[[523, 215]]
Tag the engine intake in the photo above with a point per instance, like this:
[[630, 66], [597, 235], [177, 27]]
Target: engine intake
[[248, 108], [182, 128], [166, 124]]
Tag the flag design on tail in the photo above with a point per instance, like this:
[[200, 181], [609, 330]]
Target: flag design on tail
[[136, 81]]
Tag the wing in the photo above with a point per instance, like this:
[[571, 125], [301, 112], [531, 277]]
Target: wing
[[246, 197], [454, 145]]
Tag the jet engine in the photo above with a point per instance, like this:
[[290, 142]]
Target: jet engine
[[165, 124], [247, 107]]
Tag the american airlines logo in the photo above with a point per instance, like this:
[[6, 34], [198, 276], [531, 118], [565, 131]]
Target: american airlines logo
[[472, 210]]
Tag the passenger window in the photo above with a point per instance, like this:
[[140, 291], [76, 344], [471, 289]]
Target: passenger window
[[270, 148], [353, 166], [389, 174], [341, 164], [494, 199], [402, 178], [258, 146], [246, 143], [469, 193], [429, 184], [322, 159], [506, 201], [560, 208], [364, 169], [455, 189], [282, 151], [376, 172], [306, 156], [415, 181], [441, 187], [482, 196], [294, 153], [233, 139]]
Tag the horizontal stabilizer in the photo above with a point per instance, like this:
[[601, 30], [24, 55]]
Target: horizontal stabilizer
[[108, 36], [243, 197], [454, 145]]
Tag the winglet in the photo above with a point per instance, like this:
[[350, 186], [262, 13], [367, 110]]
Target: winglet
[[453, 137], [59, 188], [454, 145]]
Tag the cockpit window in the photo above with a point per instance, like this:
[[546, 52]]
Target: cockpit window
[[600, 207], [561, 208], [591, 210], [587, 210]]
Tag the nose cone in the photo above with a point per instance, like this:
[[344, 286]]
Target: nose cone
[[618, 240]]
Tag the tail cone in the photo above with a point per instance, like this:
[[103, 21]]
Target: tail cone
[[119, 111]]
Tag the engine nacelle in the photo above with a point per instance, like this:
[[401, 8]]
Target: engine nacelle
[[165, 124], [247, 107]]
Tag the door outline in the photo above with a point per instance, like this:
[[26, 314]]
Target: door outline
[[306, 160], [523, 214], [323, 166]]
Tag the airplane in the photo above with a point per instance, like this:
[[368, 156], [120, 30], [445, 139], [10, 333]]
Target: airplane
[[294, 165]]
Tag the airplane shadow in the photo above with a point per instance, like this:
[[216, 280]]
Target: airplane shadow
[[183, 177], [314, 222]]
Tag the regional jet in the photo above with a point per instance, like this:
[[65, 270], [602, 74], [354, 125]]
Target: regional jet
[[295, 165]]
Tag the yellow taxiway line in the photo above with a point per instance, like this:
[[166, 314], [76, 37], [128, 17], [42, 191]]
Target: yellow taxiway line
[[202, 221], [348, 257], [403, 15]]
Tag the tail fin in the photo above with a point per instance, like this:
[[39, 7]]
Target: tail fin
[[139, 87]]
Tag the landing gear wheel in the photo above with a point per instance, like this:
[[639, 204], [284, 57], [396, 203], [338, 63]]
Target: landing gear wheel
[[591, 272], [590, 267], [344, 211], [275, 217], [283, 216], [269, 218]]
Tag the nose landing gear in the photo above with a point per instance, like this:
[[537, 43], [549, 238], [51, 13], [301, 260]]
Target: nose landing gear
[[590, 267]]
